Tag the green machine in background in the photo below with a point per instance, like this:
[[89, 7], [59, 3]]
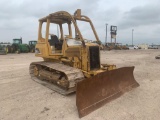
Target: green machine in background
[[3, 48], [18, 47], [32, 45]]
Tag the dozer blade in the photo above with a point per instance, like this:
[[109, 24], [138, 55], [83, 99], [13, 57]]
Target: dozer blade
[[94, 92]]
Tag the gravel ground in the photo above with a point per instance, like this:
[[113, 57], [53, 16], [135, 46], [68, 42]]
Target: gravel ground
[[21, 98]]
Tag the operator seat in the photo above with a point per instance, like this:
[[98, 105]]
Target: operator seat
[[54, 40]]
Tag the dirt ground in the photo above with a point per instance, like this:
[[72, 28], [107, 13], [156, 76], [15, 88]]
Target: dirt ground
[[21, 98]]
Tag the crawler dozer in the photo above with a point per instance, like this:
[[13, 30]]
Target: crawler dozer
[[70, 64]]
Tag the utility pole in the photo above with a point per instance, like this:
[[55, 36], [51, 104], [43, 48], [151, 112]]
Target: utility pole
[[106, 34], [132, 37]]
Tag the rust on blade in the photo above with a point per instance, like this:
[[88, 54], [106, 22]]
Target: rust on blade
[[94, 92]]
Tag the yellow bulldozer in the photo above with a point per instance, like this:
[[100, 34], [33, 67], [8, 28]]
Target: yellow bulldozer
[[73, 64]]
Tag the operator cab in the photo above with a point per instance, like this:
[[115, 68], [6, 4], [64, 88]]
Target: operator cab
[[17, 41], [61, 27]]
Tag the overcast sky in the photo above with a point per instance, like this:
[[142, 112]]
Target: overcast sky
[[19, 18]]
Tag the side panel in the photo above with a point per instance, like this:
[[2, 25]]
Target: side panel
[[41, 50], [85, 57], [73, 52]]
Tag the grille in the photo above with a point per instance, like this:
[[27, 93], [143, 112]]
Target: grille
[[94, 57]]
